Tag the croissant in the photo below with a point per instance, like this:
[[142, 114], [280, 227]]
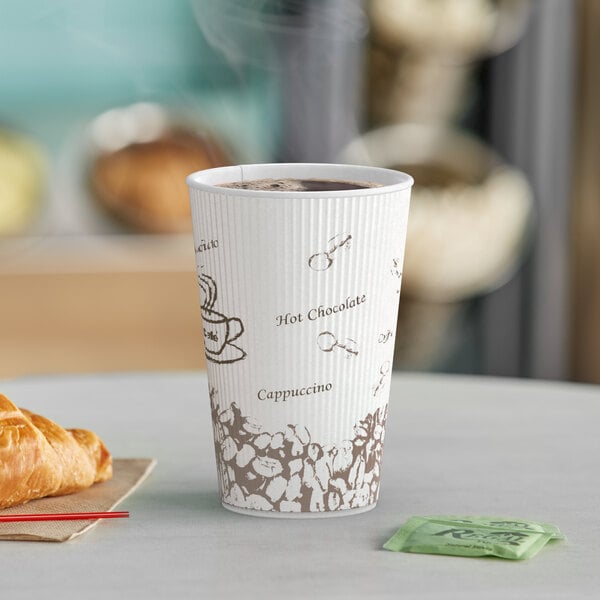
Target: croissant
[[39, 458]]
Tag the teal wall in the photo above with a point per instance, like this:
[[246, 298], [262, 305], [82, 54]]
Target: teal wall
[[120, 48], [64, 61]]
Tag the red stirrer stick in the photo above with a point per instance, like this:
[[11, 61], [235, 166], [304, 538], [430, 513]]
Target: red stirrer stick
[[85, 516]]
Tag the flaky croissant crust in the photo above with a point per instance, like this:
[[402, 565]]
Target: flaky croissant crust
[[39, 458]]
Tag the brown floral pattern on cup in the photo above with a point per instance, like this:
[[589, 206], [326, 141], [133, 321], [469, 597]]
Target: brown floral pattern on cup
[[287, 471]]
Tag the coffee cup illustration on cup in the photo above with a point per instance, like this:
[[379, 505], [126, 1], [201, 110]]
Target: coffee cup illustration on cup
[[219, 330]]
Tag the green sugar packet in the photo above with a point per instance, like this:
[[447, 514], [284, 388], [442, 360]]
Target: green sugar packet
[[515, 539], [504, 523]]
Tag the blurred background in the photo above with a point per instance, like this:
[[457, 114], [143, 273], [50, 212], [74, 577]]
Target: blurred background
[[492, 106]]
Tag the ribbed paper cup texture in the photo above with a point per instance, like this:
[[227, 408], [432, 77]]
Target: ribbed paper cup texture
[[299, 296]]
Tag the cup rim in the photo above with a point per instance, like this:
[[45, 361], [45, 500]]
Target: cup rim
[[389, 180]]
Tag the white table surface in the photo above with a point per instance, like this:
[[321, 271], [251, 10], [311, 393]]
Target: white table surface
[[455, 445]]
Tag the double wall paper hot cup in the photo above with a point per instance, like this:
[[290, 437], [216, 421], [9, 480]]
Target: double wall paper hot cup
[[299, 294]]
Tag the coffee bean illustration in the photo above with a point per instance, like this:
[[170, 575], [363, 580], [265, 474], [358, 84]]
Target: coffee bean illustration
[[288, 471], [268, 467], [245, 455], [276, 488]]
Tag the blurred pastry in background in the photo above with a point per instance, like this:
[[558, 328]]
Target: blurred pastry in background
[[471, 217], [468, 25], [415, 87], [140, 176], [420, 70], [22, 175], [470, 214]]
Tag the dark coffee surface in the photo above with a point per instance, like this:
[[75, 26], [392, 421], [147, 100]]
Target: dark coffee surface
[[299, 185]]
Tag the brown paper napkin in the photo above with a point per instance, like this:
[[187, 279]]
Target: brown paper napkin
[[128, 474]]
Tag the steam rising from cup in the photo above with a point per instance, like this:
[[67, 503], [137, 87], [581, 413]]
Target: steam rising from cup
[[313, 49]]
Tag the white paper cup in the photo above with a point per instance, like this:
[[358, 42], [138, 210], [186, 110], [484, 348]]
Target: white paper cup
[[299, 295]]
